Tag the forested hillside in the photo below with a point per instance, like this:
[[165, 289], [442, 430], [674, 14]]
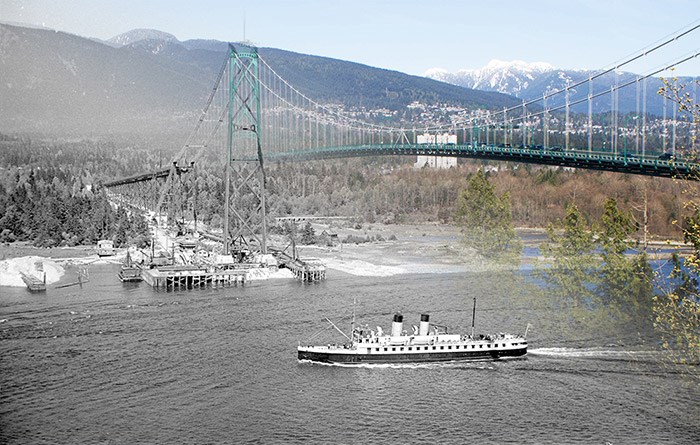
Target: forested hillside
[[48, 194], [396, 192]]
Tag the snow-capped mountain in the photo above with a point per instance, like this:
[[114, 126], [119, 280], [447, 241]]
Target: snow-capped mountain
[[138, 35], [505, 77], [530, 81], [516, 77]]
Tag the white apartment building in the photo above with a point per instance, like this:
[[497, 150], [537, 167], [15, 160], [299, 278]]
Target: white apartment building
[[436, 161]]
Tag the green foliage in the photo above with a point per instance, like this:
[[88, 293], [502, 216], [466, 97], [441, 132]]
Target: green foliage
[[593, 277], [486, 221], [547, 176], [626, 281], [677, 309], [617, 226], [573, 261]]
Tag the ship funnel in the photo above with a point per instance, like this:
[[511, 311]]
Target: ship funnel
[[397, 325], [424, 324]]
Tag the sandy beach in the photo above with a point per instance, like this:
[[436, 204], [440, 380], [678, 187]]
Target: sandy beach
[[401, 249]]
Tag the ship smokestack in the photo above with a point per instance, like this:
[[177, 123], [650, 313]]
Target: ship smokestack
[[397, 325], [424, 324]]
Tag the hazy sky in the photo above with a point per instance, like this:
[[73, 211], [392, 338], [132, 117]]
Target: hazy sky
[[409, 36]]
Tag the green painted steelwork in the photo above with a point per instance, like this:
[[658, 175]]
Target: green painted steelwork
[[244, 166], [572, 158]]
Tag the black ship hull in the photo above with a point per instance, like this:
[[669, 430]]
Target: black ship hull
[[427, 357]]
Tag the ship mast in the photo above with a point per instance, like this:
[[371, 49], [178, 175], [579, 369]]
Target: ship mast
[[473, 316], [352, 323]]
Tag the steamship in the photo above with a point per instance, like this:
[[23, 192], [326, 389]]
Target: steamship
[[427, 343]]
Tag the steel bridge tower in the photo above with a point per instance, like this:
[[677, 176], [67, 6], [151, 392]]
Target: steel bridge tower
[[244, 206]]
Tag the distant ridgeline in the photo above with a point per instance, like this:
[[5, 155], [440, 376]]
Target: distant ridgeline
[[530, 81], [149, 82]]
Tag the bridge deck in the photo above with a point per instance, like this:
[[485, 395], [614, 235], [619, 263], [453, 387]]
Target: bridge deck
[[593, 160]]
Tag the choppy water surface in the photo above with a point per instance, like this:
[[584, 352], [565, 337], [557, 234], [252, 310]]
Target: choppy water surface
[[111, 363]]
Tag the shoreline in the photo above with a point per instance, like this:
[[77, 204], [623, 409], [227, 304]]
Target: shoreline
[[423, 234], [392, 249]]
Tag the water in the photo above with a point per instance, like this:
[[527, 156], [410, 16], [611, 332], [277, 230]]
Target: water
[[113, 363]]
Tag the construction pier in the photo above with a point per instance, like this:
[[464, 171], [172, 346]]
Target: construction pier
[[191, 277], [33, 283], [307, 270]]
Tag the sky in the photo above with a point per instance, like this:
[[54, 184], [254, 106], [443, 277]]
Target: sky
[[410, 36]]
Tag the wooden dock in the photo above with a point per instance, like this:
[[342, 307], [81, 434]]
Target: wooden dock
[[191, 277], [34, 284], [308, 270]]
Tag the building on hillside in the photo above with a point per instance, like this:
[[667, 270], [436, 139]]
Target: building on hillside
[[436, 161]]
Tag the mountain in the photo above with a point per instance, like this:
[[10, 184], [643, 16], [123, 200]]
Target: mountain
[[505, 77], [147, 81], [353, 84], [530, 81], [54, 82], [138, 35]]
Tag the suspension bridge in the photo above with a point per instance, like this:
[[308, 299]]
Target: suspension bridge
[[254, 116]]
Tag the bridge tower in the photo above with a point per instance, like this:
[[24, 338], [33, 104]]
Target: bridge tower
[[244, 206]]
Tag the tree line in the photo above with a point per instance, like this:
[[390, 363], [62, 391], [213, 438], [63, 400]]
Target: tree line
[[385, 190], [50, 208]]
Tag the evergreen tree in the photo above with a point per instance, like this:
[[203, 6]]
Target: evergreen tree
[[626, 280], [593, 277], [571, 276], [486, 221]]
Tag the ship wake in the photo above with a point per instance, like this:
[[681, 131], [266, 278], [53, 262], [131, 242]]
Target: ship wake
[[597, 353]]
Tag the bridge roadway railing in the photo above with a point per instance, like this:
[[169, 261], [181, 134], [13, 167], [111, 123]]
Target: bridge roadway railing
[[592, 160]]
